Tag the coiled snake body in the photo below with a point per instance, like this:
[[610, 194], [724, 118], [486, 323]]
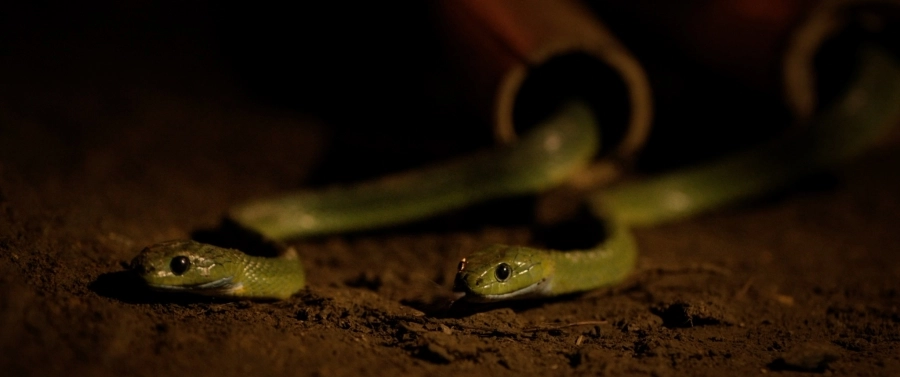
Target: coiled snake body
[[543, 158]]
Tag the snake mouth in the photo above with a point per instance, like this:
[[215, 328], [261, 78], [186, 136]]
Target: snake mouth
[[224, 285], [535, 290], [539, 288]]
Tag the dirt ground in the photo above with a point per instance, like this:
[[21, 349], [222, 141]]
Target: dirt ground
[[117, 132]]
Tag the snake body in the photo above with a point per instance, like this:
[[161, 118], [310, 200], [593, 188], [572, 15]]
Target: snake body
[[543, 158]]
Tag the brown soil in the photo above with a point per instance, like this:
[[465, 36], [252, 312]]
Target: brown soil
[[110, 143]]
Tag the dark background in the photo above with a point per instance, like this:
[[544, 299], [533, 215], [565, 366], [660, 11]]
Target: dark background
[[123, 125]]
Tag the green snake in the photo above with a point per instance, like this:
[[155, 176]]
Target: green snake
[[543, 158]]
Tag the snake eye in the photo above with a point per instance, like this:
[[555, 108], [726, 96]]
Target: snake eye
[[502, 272], [179, 264]]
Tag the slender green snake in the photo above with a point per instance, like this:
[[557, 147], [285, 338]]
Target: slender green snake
[[544, 157]]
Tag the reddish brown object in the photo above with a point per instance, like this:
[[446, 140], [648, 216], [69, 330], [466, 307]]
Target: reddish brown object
[[499, 42], [767, 44], [745, 37]]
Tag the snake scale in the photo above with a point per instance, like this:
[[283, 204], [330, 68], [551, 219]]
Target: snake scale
[[543, 158]]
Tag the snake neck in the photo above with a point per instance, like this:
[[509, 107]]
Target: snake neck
[[607, 264], [276, 278]]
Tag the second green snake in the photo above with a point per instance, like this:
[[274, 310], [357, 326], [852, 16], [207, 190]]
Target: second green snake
[[543, 158]]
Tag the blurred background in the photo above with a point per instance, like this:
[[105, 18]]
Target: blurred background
[[379, 77]]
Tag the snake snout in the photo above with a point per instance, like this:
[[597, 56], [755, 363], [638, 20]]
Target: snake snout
[[139, 265], [463, 284]]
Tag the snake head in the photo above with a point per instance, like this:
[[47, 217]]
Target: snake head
[[502, 272], [188, 266]]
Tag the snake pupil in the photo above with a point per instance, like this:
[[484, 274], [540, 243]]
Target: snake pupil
[[502, 272], [180, 264]]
